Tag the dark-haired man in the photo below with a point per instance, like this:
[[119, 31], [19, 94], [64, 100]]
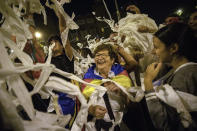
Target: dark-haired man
[[63, 59]]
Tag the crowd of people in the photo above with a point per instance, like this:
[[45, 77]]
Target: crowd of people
[[166, 75]]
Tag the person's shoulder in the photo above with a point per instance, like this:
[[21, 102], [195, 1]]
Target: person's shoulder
[[185, 79], [186, 73], [191, 70], [188, 69]]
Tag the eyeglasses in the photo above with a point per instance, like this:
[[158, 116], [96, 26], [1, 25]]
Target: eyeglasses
[[101, 55]]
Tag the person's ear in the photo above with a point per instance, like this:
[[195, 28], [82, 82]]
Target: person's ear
[[174, 48]]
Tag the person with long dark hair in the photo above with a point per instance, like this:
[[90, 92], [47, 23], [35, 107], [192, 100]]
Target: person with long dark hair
[[176, 46]]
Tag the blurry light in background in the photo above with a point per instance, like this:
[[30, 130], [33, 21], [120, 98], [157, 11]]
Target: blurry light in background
[[179, 12], [77, 38], [102, 29], [38, 34]]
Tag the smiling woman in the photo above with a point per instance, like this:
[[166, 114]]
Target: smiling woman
[[105, 57], [106, 68]]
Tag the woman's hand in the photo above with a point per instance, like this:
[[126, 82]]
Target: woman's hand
[[118, 48], [97, 111], [133, 8], [112, 36], [143, 29], [151, 72], [112, 87], [137, 53]]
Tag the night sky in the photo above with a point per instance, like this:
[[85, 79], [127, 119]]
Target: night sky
[[156, 9]]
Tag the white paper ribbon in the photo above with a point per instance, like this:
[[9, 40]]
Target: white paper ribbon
[[181, 101]]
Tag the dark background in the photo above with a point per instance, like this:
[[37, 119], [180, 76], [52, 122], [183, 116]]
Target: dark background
[[156, 9]]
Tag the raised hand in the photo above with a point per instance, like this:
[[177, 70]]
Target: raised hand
[[151, 72], [133, 8]]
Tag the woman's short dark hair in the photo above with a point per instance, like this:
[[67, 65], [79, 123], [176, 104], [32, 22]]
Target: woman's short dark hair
[[54, 37], [182, 35], [107, 47]]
